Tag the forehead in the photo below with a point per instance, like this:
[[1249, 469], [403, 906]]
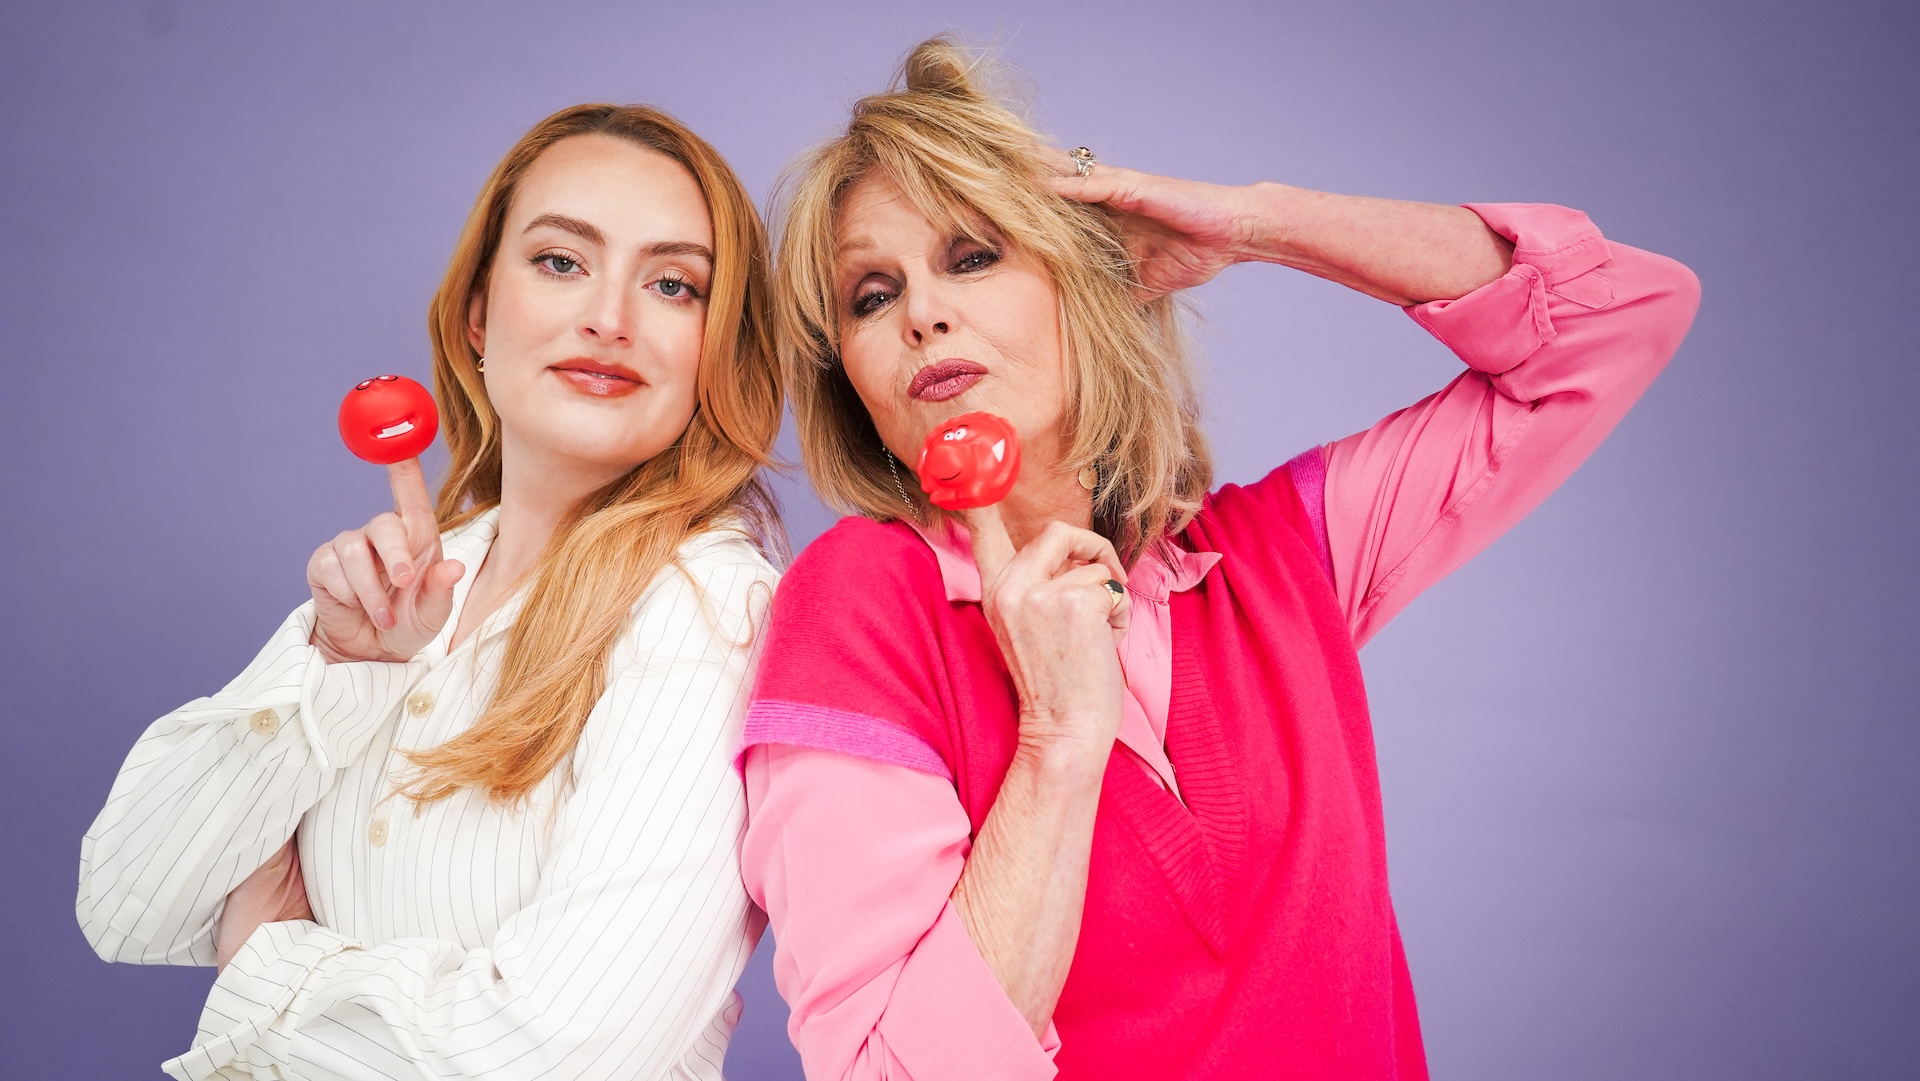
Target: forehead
[[877, 215], [631, 193]]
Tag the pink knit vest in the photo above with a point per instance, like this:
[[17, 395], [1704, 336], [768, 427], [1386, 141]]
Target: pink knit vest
[[1248, 933]]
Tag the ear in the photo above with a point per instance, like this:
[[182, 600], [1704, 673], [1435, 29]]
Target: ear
[[477, 321]]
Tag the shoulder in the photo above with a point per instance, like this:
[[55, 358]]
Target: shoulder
[[723, 552], [861, 563], [1254, 512], [862, 588], [715, 594]]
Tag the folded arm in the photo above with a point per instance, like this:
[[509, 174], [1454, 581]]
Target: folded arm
[[624, 963], [211, 790]]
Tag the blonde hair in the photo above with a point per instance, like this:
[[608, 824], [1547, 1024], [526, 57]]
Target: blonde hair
[[962, 158], [596, 566]]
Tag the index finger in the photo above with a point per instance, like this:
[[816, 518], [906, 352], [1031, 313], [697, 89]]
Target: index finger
[[1060, 546], [410, 499], [992, 548]]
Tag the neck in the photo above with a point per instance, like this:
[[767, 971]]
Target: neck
[[535, 497], [1048, 496]]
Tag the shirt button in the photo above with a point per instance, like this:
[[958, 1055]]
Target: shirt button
[[265, 721], [377, 832], [420, 703]]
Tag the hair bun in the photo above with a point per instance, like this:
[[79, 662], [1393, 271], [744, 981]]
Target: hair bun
[[940, 66]]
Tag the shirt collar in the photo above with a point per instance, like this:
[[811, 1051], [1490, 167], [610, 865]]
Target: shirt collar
[[1165, 570], [470, 544]]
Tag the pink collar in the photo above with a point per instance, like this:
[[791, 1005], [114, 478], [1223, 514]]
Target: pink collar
[[1146, 652], [1166, 570]]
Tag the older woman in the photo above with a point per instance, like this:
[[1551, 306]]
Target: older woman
[[1008, 822]]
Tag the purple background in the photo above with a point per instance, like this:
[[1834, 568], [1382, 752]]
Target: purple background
[[1649, 762]]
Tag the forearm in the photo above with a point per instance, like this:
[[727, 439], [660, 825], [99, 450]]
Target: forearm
[[1401, 252], [1025, 883], [212, 789]]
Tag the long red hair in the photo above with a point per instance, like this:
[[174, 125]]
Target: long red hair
[[596, 566]]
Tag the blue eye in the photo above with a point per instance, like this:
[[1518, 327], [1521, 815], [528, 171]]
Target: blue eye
[[676, 288], [557, 264]]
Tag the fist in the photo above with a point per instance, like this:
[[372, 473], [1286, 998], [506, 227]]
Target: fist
[[388, 419], [970, 461]]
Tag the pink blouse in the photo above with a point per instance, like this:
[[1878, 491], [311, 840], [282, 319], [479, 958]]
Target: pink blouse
[[855, 860]]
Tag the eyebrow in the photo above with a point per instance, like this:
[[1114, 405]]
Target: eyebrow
[[583, 230], [592, 235], [679, 247]]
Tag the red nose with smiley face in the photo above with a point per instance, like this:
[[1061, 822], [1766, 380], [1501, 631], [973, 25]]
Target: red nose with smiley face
[[970, 461], [388, 419]]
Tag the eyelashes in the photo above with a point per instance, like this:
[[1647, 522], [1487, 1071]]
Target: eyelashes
[[971, 259], [672, 284], [675, 286], [549, 262]]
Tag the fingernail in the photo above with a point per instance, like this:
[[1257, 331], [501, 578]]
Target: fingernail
[[383, 619], [402, 572]]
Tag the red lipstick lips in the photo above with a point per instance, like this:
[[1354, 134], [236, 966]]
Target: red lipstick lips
[[944, 379]]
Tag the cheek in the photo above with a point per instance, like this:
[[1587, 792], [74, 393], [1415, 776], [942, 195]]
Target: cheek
[[1032, 326], [676, 345], [872, 370]]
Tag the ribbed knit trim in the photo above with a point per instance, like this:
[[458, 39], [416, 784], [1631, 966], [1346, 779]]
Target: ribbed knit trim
[[800, 725], [1309, 473]]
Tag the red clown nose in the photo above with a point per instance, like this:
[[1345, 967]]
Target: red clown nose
[[388, 419], [970, 461]]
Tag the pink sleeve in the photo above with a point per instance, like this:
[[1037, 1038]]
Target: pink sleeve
[[1558, 350], [854, 862]]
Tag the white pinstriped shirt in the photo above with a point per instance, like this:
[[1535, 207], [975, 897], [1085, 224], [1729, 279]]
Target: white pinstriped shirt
[[597, 933]]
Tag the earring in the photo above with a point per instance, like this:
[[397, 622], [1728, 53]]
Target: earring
[[893, 467], [480, 365], [1089, 478]]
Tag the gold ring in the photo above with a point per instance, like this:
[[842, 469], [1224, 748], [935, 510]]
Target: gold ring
[[1083, 160], [1115, 591]]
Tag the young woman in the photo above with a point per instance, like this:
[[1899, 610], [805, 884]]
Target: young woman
[[472, 812], [1088, 786]]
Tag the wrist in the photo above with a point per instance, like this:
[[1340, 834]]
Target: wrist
[[1064, 753], [1266, 213]]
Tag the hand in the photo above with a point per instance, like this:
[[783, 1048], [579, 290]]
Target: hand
[[1180, 233], [271, 894], [382, 592], [1057, 627]]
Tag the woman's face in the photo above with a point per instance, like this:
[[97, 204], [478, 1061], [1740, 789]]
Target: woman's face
[[595, 309], [934, 325]]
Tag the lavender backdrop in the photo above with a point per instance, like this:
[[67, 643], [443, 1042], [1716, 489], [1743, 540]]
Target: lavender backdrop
[[1648, 762]]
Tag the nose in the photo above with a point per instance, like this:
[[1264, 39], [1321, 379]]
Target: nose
[[929, 313], [609, 314]]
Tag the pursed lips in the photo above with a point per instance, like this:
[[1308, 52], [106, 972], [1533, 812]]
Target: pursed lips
[[944, 379]]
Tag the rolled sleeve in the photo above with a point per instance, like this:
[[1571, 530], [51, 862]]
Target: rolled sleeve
[[855, 862], [1499, 325], [259, 990], [921, 1027]]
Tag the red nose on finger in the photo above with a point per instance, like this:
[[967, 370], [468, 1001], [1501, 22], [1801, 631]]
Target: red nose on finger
[[944, 462], [388, 419], [970, 461]]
